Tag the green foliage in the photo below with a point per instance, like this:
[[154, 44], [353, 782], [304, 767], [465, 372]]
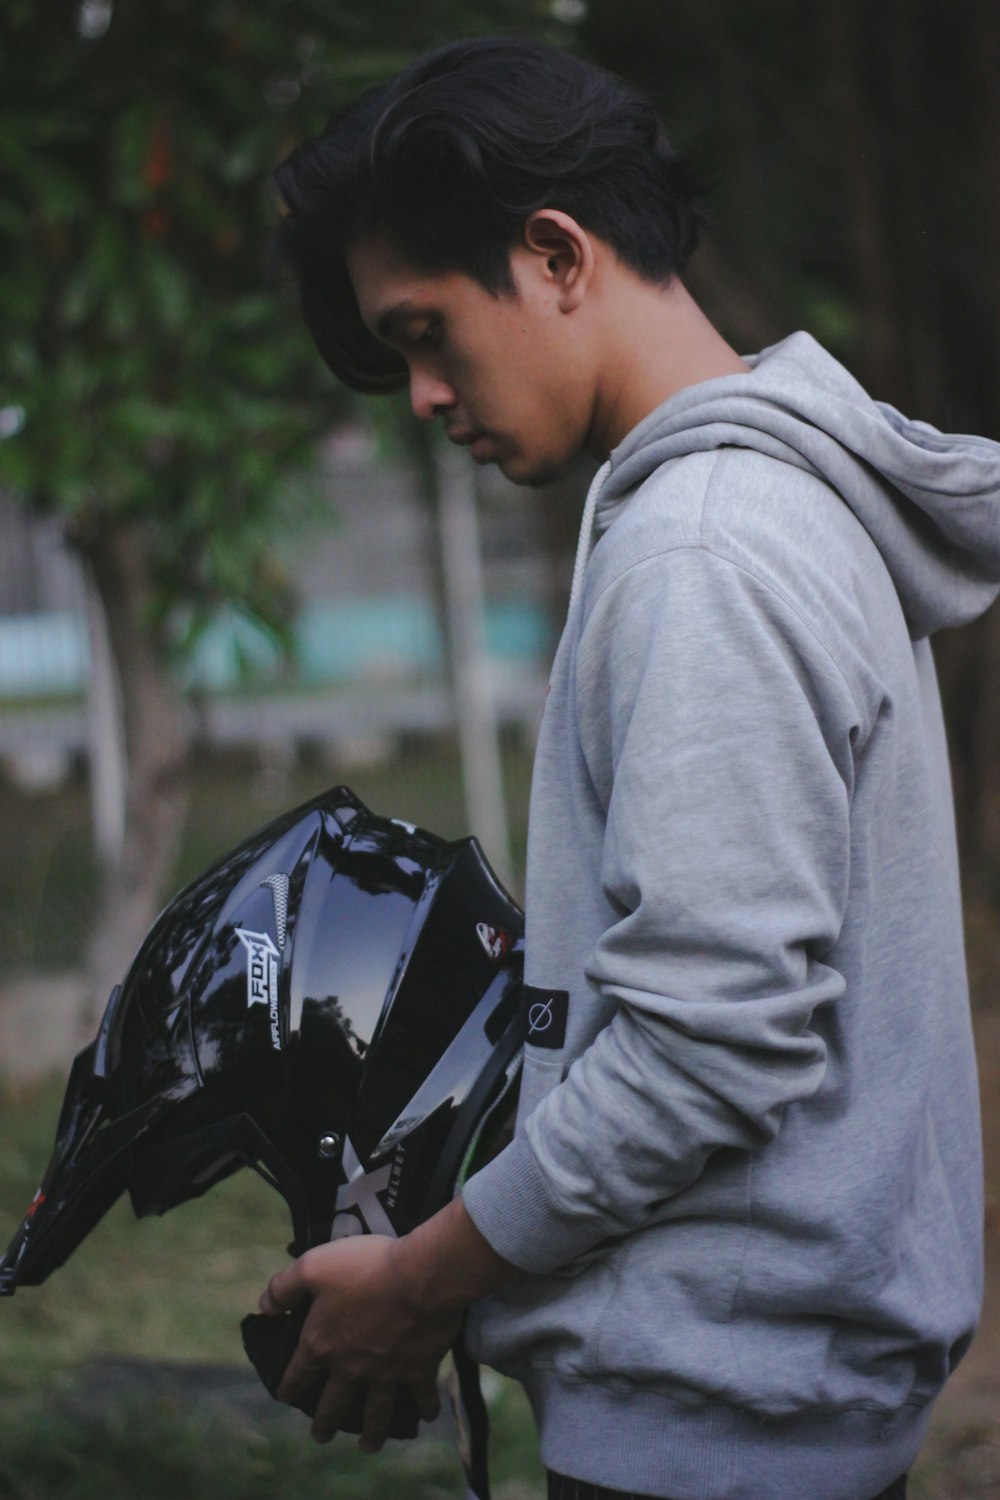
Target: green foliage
[[151, 363]]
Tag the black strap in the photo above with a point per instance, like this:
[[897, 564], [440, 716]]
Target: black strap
[[473, 1424]]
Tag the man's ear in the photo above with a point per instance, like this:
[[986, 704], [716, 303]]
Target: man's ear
[[567, 251]]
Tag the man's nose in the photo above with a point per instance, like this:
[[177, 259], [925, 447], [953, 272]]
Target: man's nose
[[429, 395]]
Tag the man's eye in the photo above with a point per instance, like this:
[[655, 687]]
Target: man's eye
[[426, 337]]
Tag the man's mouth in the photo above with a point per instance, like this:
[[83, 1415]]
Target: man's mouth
[[479, 444]]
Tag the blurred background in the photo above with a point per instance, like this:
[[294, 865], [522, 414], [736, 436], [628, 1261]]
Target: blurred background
[[226, 583]]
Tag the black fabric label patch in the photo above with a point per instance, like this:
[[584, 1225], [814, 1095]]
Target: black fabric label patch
[[545, 1013]]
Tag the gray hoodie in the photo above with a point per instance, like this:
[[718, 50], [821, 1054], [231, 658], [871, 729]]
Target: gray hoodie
[[746, 1178]]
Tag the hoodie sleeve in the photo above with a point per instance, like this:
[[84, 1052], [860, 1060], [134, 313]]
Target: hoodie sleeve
[[718, 733]]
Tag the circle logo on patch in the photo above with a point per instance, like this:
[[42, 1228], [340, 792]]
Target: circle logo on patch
[[539, 1017]]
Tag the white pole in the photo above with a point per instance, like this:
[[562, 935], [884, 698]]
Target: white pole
[[105, 735], [475, 708]]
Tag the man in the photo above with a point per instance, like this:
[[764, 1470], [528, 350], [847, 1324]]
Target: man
[[734, 1247]]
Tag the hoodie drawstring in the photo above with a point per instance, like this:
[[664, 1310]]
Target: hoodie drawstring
[[585, 544]]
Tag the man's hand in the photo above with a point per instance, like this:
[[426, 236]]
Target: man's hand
[[384, 1312], [364, 1329]]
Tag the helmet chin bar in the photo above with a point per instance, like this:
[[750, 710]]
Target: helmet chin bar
[[185, 1167]]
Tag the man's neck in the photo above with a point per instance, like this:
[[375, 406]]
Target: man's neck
[[660, 343]]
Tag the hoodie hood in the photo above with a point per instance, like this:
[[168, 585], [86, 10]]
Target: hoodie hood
[[929, 500]]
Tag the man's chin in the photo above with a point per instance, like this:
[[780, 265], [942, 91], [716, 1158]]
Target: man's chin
[[532, 474]]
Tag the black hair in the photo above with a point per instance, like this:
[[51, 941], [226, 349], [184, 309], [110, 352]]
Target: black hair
[[451, 156]]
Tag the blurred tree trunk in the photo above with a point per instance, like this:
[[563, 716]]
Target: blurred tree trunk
[[873, 221], [448, 493], [986, 115], [911, 351], [418, 444], [156, 742], [863, 193], [987, 754]]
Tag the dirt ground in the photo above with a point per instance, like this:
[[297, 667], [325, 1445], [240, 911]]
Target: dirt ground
[[961, 1458]]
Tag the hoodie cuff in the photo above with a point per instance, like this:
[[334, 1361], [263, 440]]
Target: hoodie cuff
[[509, 1203]]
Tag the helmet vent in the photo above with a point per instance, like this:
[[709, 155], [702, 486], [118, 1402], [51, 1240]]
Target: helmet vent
[[279, 890]]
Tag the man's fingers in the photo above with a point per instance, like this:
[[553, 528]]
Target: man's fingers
[[301, 1373], [379, 1402], [284, 1290], [427, 1398], [334, 1404]]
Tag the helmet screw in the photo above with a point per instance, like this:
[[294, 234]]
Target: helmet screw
[[329, 1145]]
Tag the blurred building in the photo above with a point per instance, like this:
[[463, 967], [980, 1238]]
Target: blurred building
[[368, 663]]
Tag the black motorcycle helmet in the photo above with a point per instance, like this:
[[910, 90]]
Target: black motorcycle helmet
[[335, 1003]]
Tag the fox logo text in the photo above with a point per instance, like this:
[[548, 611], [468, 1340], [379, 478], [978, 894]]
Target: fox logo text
[[262, 977]]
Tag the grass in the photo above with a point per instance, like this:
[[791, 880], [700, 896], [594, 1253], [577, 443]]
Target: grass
[[161, 1452], [165, 1454], [175, 1286], [47, 870], [171, 1292]]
